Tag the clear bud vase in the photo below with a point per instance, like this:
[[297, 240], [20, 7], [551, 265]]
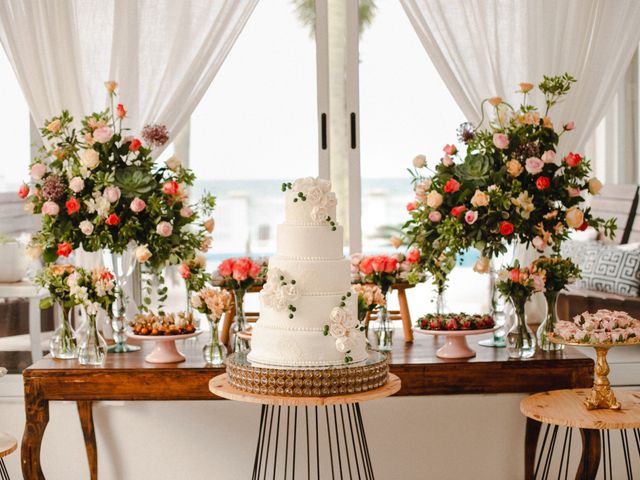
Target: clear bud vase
[[93, 348], [384, 329], [214, 352], [239, 344], [520, 340], [63, 342], [549, 323]]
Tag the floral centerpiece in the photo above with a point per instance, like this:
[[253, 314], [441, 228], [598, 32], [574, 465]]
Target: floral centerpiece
[[194, 274], [518, 284], [559, 272], [213, 302], [404, 273]]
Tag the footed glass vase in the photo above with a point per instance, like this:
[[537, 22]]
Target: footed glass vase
[[384, 329], [93, 348], [214, 352], [549, 323], [127, 272], [520, 340], [239, 344], [63, 343]]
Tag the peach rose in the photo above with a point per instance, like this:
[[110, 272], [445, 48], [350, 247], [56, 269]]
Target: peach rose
[[143, 253], [547, 123], [480, 199], [481, 265], [209, 225], [38, 170], [54, 126], [396, 242], [434, 199], [174, 163], [514, 168], [89, 158], [574, 217], [111, 85], [595, 186]]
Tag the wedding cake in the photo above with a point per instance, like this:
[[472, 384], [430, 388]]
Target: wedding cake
[[308, 315]]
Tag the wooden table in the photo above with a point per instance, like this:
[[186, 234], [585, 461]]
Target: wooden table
[[128, 377]]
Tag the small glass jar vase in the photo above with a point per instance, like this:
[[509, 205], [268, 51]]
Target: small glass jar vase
[[93, 348], [214, 352], [384, 329], [239, 344], [549, 323], [520, 340], [63, 342]]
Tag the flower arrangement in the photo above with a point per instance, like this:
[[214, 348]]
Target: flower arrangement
[[54, 278], [94, 289], [369, 298], [342, 326], [160, 325], [239, 273], [455, 321], [404, 272], [520, 283], [97, 186], [509, 183], [194, 273], [559, 272], [213, 302], [604, 326]]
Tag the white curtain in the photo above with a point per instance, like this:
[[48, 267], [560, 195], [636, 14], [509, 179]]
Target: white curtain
[[483, 48], [163, 53]]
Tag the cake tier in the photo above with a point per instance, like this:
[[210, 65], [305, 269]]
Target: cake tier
[[309, 242], [316, 276], [312, 313], [306, 212], [299, 348]]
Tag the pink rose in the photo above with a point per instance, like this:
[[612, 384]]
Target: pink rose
[[573, 191], [366, 266], [76, 184], [50, 208], [186, 212], [38, 170], [447, 161], [538, 283], [549, 156], [112, 194], [569, 126], [378, 263], [539, 243], [470, 217], [226, 267], [137, 205], [435, 216], [500, 140], [450, 149], [102, 134], [534, 165], [164, 229]]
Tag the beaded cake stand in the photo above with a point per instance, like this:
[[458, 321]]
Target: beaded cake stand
[[322, 436]]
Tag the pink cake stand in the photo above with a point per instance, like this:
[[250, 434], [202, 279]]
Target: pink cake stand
[[455, 341], [165, 350]]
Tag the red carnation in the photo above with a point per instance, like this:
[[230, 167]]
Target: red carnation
[[121, 111], [451, 186], [64, 249], [506, 228], [23, 191], [572, 159], [135, 145], [112, 220], [455, 211], [72, 205], [543, 183]]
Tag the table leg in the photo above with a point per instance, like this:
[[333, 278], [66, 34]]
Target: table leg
[[532, 432], [591, 449], [406, 316], [37, 417], [85, 412], [35, 327]]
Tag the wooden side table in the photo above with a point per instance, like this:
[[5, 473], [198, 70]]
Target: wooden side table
[[335, 433], [566, 408], [33, 294], [8, 445]]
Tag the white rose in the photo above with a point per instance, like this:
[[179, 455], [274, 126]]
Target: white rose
[[350, 321], [315, 196], [319, 214], [76, 184], [291, 292], [337, 330], [344, 344], [324, 185], [112, 194], [89, 158], [86, 227], [174, 163], [330, 200], [338, 315], [420, 161], [303, 184]]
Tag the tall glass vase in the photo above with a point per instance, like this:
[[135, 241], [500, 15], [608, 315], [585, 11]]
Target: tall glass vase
[[239, 344], [214, 352], [384, 329], [549, 323], [496, 310], [93, 348], [520, 340], [63, 343], [126, 269], [441, 305]]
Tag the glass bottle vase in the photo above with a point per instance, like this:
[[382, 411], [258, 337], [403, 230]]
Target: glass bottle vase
[[384, 329], [93, 348], [127, 272], [520, 340], [63, 343], [549, 323], [214, 352], [239, 344]]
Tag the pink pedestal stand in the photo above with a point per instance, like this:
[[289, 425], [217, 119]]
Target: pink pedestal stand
[[165, 350], [455, 341]]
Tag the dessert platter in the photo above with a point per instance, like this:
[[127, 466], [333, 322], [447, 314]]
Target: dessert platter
[[455, 327], [164, 330]]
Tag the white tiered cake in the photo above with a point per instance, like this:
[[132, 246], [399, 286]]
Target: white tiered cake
[[308, 315]]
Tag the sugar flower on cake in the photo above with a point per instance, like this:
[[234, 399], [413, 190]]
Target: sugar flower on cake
[[280, 292], [343, 326]]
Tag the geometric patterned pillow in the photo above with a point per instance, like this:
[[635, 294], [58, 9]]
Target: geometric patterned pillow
[[606, 268]]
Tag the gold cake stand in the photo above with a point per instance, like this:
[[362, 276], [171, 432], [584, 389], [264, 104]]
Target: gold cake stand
[[601, 395]]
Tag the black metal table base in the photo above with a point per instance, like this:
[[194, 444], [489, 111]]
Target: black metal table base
[[4, 473], [312, 443], [554, 437]]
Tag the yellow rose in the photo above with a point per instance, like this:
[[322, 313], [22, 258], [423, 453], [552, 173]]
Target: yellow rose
[[495, 101], [574, 217], [482, 265], [514, 168], [54, 127], [111, 86], [525, 87], [434, 199], [595, 186], [143, 253], [480, 199]]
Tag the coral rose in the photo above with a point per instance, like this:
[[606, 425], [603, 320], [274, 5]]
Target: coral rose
[[72, 205], [112, 220], [413, 255], [64, 249], [390, 264], [170, 187], [573, 159], [23, 191], [515, 275], [455, 211], [450, 149], [241, 269], [506, 228], [574, 217], [184, 271], [451, 186], [366, 266], [135, 145], [411, 206], [226, 267], [542, 183], [121, 112]]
